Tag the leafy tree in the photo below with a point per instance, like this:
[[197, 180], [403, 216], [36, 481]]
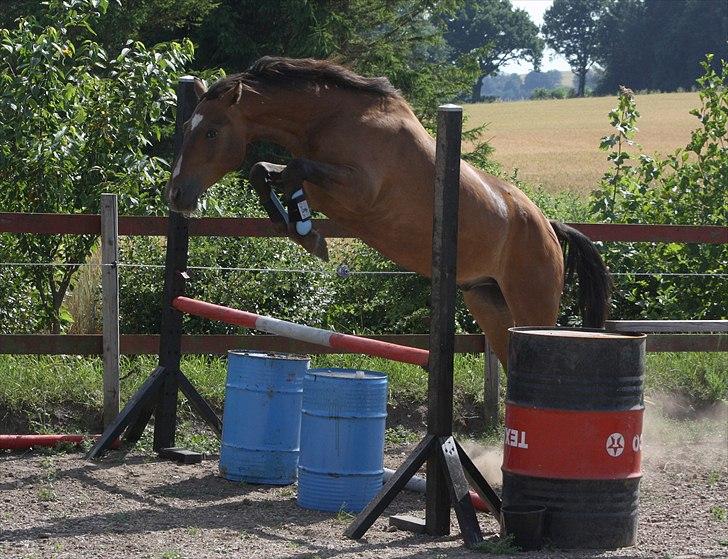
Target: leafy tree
[[571, 27], [682, 33], [148, 21], [658, 45], [624, 51], [13, 9], [402, 39], [76, 122], [495, 33]]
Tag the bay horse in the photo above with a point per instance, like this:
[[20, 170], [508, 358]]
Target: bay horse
[[366, 161]]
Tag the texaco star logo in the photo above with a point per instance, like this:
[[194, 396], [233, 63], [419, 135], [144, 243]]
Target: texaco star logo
[[615, 444]]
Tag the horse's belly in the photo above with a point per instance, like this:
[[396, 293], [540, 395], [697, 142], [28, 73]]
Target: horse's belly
[[411, 248]]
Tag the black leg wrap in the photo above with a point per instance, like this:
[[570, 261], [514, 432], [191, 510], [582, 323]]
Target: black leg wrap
[[261, 175]]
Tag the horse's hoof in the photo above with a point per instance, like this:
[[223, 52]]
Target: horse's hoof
[[313, 242]]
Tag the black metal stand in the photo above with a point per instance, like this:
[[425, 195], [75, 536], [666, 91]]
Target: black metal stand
[[158, 395], [446, 482]]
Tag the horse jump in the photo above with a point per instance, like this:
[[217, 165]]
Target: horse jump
[[446, 460]]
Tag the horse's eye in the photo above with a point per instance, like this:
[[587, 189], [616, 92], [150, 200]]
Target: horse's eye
[[211, 133]]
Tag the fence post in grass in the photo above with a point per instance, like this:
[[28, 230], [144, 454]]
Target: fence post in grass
[[110, 304], [491, 386]]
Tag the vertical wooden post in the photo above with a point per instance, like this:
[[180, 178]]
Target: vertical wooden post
[[110, 304], [442, 327], [446, 481], [165, 422], [491, 387]]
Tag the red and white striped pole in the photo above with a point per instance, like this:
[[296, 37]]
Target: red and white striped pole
[[328, 338], [19, 442]]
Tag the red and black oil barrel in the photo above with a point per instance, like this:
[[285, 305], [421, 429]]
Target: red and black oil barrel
[[573, 432]]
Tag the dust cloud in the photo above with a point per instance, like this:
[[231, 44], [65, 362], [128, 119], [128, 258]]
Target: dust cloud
[[678, 435]]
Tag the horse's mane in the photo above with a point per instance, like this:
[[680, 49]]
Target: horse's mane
[[300, 72]]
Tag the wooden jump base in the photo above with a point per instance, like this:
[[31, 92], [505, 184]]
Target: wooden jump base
[[328, 338]]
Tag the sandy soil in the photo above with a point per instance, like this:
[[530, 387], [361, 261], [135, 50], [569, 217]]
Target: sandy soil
[[59, 505]]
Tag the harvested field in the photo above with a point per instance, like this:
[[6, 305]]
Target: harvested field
[[555, 143]]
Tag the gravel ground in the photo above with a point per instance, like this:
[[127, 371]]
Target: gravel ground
[[59, 505]]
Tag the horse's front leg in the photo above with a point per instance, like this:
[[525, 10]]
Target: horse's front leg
[[349, 186], [262, 176]]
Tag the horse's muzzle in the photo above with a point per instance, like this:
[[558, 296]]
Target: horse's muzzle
[[182, 198]]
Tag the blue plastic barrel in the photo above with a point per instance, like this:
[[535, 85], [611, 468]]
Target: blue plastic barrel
[[342, 439], [262, 417]]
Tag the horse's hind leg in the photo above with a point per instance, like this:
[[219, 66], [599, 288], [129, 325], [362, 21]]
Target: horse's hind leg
[[533, 293], [488, 306]]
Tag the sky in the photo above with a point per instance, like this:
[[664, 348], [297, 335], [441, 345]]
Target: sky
[[551, 60]]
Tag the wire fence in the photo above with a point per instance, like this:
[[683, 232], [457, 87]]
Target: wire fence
[[338, 272]]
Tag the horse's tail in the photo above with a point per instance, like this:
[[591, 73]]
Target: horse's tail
[[595, 281]]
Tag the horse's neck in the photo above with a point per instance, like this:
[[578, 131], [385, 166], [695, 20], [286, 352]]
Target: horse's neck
[[286, 118]]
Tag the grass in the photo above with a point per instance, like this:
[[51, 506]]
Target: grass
[[701, 377], [554, 143], [344, 516], [400, 435], [84, 301], [719, 514], [47, 392], [498, 546], [713, 477], [193, 531], [46, 493]]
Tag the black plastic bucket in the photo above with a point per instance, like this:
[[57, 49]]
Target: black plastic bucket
[[573, 432], [525, 523]]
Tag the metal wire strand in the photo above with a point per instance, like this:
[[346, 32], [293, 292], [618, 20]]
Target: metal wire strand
[[315, 272]]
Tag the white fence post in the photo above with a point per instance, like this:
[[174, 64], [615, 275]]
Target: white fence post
[[110, 304]]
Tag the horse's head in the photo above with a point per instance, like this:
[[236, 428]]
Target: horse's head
[[213, 145]]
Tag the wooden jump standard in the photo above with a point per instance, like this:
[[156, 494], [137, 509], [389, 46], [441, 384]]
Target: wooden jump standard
[[446, 482], [158, 394]]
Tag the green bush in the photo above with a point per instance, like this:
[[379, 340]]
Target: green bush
[[690, 187], [288, 295], [541, 93], [76, 121]]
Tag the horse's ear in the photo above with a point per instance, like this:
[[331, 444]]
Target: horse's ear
[[200, 88], [232, 96]]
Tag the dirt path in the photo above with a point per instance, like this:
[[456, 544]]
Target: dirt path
[[59, 505]]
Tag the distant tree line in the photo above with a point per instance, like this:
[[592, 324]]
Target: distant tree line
[[535, 85], [642, 44], [659, 44]]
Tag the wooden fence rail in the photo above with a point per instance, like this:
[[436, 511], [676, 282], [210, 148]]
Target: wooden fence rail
[[218, 344]]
